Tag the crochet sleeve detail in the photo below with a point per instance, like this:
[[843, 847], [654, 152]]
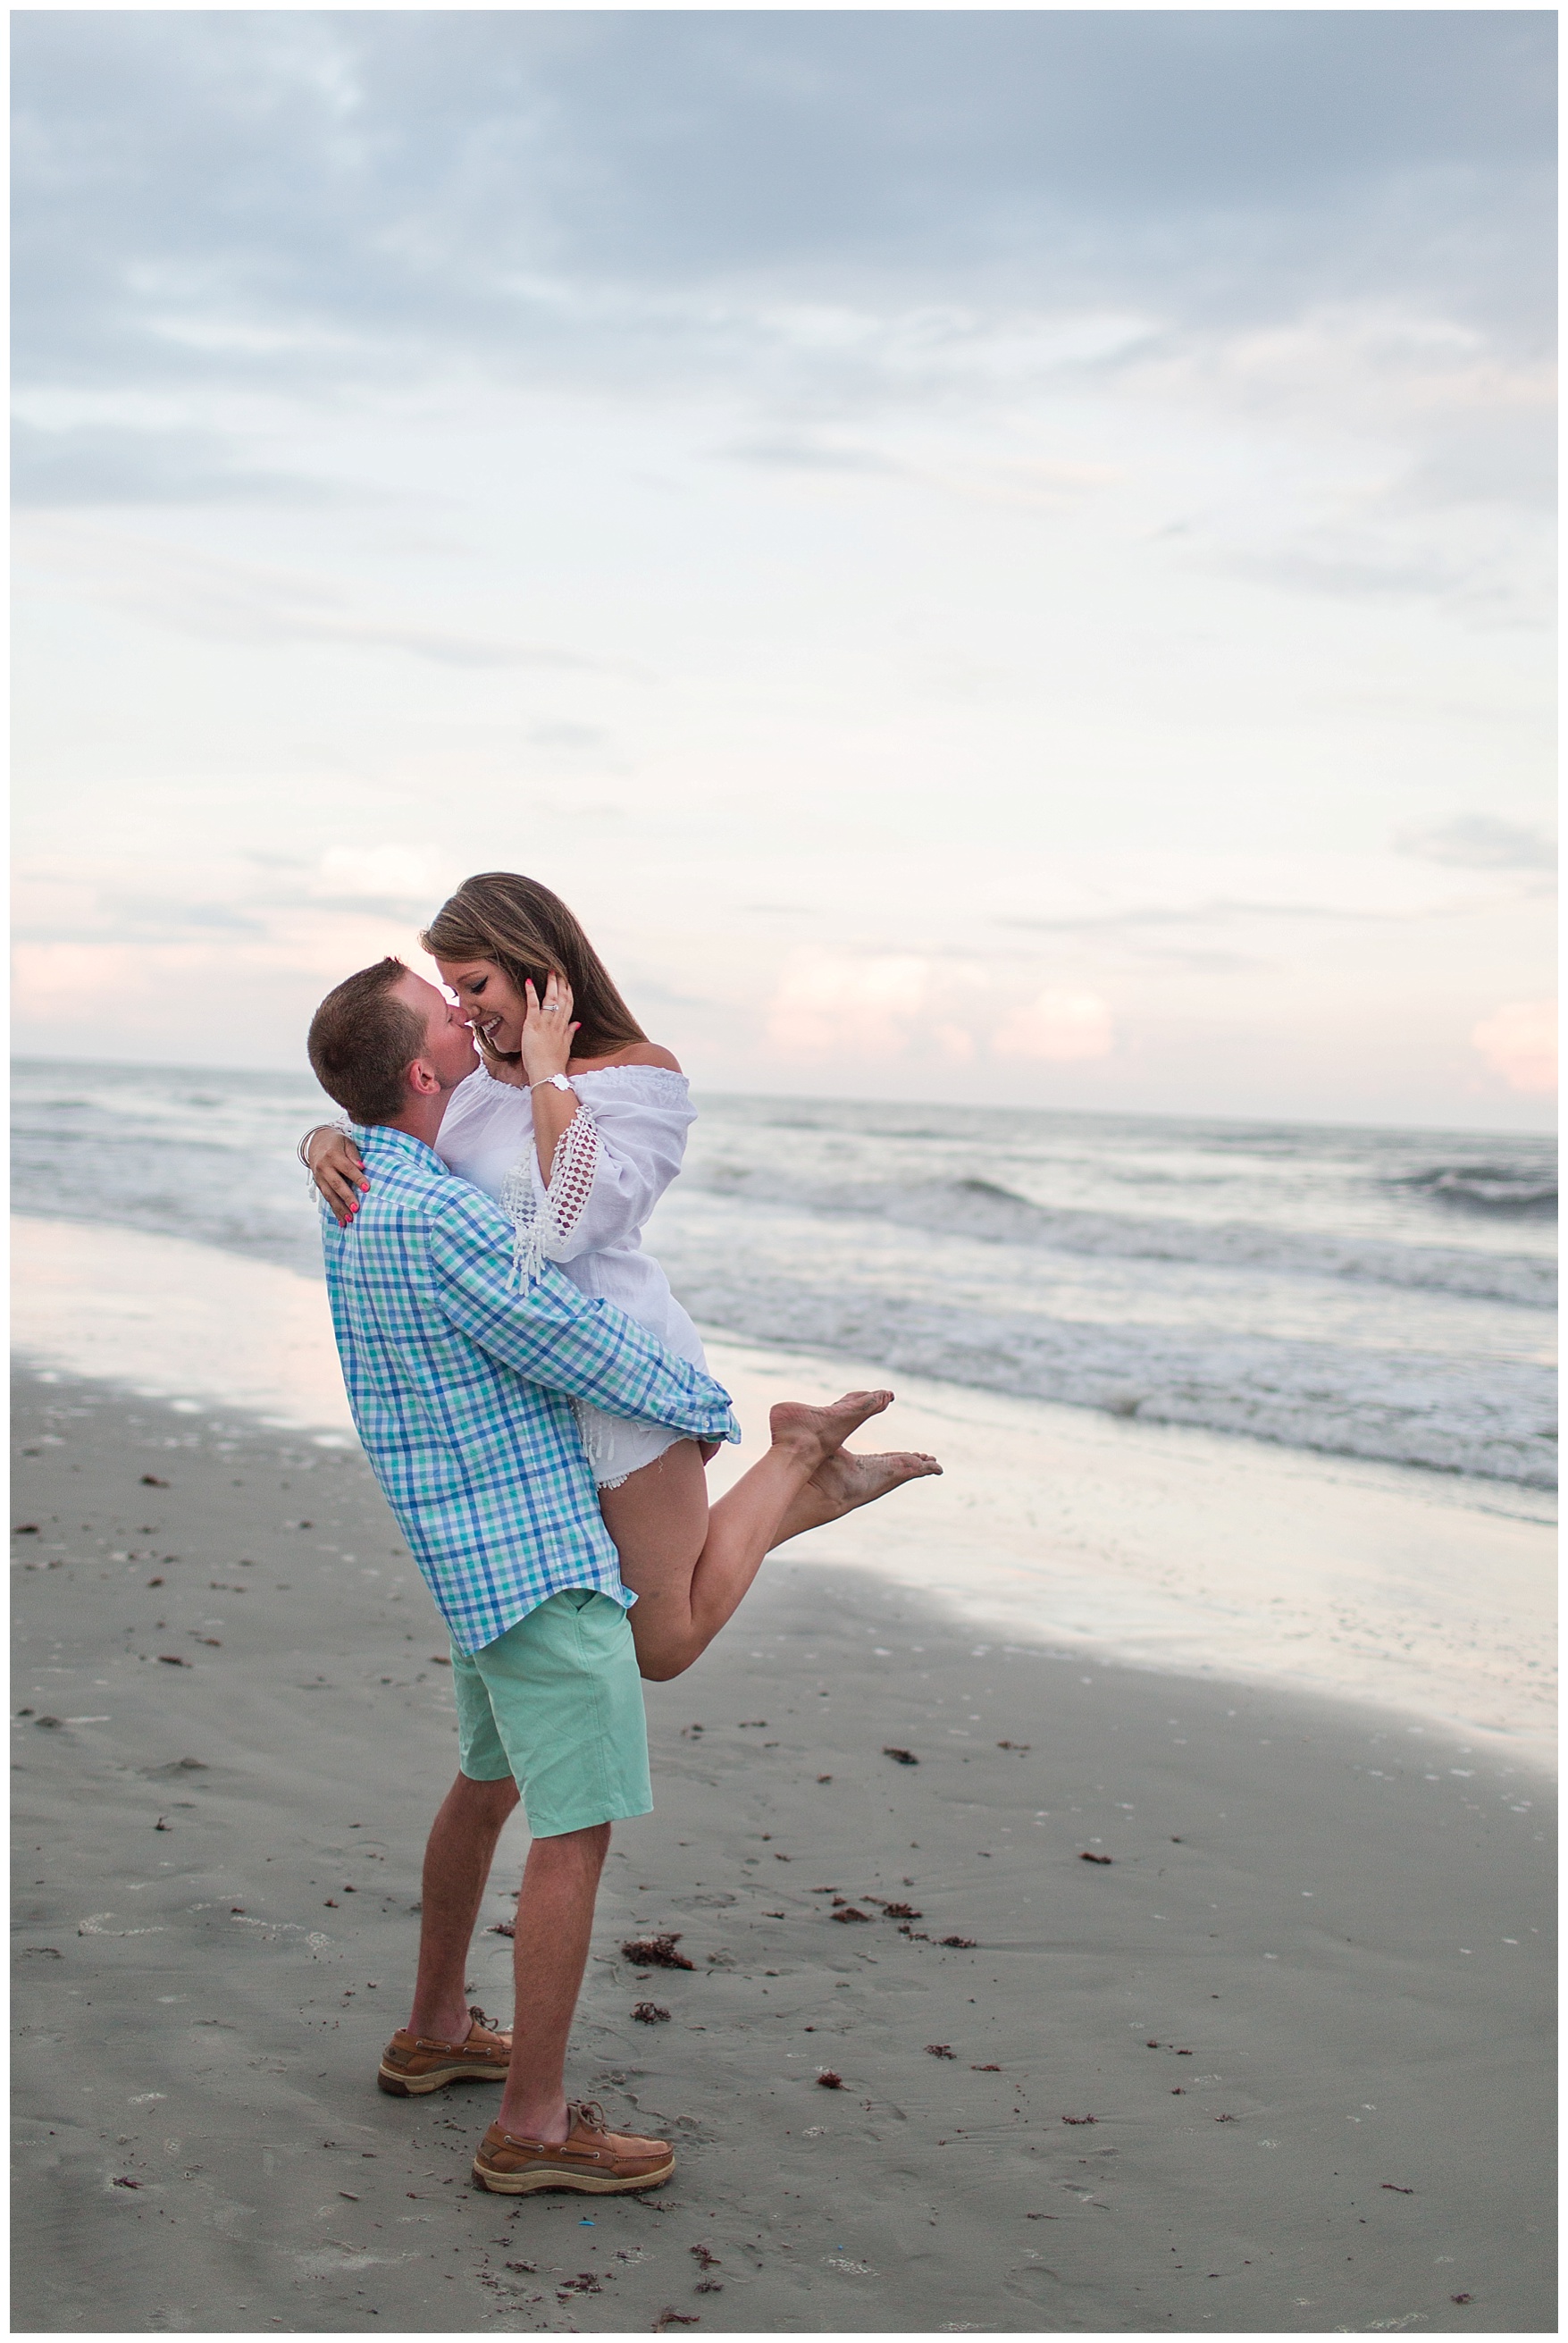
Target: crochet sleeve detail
[[544, 1217]]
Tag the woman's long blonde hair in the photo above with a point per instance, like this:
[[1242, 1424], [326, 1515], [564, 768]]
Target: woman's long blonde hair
[[503, 917]]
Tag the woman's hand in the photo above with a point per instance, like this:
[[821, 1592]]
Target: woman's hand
[[548, 1029], [338, 1171]]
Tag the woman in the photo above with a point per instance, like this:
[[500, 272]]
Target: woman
[[576, 1123]]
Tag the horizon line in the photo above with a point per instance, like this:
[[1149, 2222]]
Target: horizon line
[[1127, 1114]]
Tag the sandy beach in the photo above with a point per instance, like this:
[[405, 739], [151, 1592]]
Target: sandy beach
[[868, 688], [1281, 2064]]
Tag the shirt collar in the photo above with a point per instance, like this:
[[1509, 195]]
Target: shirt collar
[[381, 1139]]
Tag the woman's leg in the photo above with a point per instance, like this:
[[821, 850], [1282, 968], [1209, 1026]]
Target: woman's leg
[[689, 1564]]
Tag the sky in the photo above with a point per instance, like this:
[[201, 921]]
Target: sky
[[994, 557]]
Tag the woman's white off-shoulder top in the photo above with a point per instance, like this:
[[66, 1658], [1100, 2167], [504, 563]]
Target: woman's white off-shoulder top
[[615, 1161]]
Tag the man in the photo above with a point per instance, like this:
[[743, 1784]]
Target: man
[[461, 1385]]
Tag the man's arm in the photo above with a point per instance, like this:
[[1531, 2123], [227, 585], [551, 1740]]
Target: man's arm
[[553, 1336]]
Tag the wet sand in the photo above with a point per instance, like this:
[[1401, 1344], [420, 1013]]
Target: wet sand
[[1194, 1552], [1281, 2064]]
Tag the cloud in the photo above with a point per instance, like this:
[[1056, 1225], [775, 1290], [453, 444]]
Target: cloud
[[830, 1006], [1060, 1028], [273, 900], [406, 883], [1360, 890], [801, 455], [570, 737], [48, 977], [1519, 1042], [1483, 413], [237, 602], [145, 987], [1502, 459], [900, 1005], [1156, 919], [1479, 841], [829, 227], [840, 368], [107, 465], [261, 195]]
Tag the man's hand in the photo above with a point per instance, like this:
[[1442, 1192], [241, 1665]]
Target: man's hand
[[338, 1171]]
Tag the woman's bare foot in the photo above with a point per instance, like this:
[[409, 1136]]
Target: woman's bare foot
[[845, 1481], [819, 1431], [842, 1482]]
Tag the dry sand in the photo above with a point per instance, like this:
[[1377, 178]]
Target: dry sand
[[1308, 1996]]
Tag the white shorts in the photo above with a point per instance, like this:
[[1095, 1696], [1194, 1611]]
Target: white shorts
[[617, 1447]]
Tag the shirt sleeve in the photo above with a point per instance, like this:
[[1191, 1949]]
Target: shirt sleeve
[[612, 1164], [552, 1335]]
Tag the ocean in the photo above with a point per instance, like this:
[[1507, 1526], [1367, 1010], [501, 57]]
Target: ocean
[[1381, 1294]]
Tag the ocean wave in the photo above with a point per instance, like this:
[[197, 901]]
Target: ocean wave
[[989, 1213], [1375, 1293], [1486, 1188], [193, 1190], [1490, 1418]]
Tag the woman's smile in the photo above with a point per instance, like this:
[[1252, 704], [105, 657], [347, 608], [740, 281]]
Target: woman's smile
[[488, 1000]]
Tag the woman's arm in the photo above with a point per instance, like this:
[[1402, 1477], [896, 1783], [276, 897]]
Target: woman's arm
[[616, 1160], [547, 1047], [335, 1165], [579, 1189]]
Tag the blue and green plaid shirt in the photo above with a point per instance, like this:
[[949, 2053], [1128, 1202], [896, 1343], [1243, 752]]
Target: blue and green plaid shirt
[[461, 1385]]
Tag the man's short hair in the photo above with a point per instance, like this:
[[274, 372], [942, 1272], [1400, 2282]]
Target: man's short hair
[[363, 1042]]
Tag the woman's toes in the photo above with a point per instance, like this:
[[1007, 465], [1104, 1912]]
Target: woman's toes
[[793, 1420]]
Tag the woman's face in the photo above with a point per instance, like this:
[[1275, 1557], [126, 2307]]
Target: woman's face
[[489, 1000]]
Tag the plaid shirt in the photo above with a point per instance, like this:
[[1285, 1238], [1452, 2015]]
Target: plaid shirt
[[461, 1386]]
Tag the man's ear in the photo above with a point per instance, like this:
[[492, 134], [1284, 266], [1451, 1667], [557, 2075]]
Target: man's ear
[[422, 1078]]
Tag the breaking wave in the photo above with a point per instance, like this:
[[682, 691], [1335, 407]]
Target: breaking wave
[[991, 1214], [1450, 1415], [1487, 1188]]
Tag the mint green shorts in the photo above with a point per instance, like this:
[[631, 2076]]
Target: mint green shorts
[[556, 1703]]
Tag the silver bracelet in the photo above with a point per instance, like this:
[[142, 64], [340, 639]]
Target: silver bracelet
[[309, 1135], [551, 1082]]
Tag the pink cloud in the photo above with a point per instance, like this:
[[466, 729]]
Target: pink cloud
[[1519, 1041], [1060, 1026], [829, 1005]]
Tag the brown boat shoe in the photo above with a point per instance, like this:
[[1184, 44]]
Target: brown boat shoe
[[591, 2159], [412, 2064]]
